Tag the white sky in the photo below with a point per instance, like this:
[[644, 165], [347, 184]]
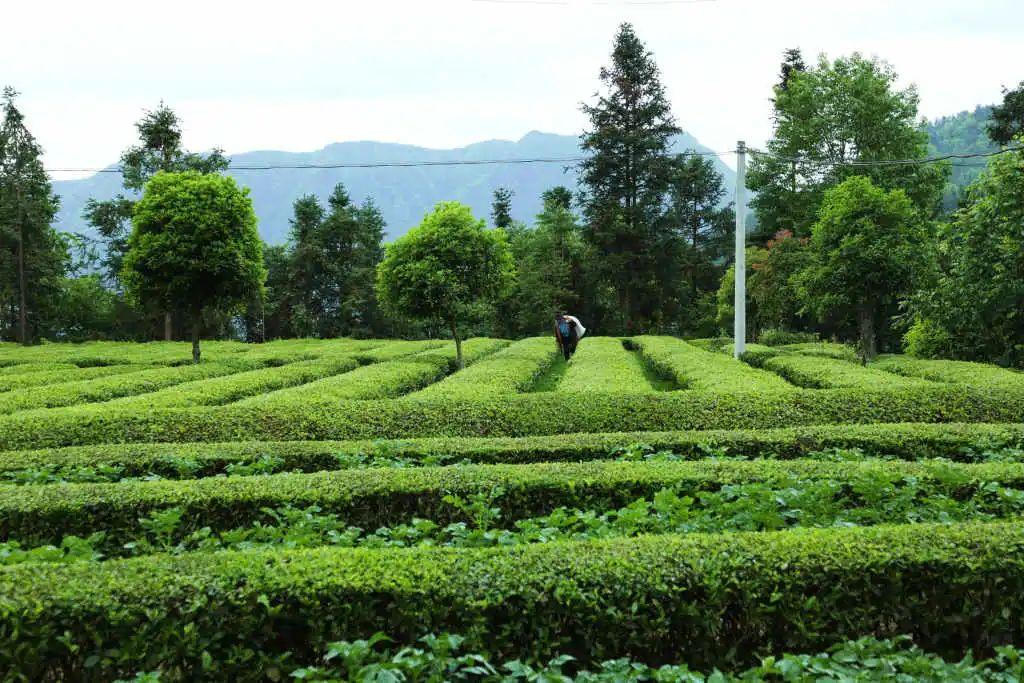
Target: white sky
[[439, 73]]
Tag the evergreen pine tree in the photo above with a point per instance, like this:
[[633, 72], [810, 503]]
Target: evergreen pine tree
[[626, 175], [33, 256]]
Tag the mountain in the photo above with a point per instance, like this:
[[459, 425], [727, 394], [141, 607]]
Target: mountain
[[962, 133], [404, 195]]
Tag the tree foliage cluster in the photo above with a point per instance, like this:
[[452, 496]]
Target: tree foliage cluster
[[847, 244]]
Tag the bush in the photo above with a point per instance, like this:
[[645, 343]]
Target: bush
[[232, 615], [511, 415], [603, 364], [782, 337], [512, 370], [370, 498], [59, 373], [927, 339], [818, 372], [693, 368], [952, 371], [960, 442]]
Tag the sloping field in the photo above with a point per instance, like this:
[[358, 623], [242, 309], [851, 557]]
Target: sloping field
[[652, 500]]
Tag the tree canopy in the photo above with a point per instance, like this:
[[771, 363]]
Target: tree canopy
[[194, 248], [450, 268]]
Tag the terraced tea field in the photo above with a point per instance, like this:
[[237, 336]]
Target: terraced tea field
[[254, 517]]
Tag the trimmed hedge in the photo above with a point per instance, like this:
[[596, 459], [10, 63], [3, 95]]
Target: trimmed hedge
[[721, 599], [387, 379], [60, 374], [908, 441], [371, 498], [604, 364], [399, 348], [954, 371], [820, 372], [116, 386], [824, 350], [697, 369], [512, 370], [222, 390], [510, 415]]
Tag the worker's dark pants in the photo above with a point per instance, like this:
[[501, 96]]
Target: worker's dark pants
[[569, 345]]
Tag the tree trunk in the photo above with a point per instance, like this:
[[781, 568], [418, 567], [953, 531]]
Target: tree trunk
[[168, 327], [866, 320], [460, 363], [196, 326], [22, 299]]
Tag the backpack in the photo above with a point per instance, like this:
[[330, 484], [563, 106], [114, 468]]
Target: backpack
[[563, 328]]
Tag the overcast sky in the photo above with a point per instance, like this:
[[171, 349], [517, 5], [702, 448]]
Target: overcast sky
[[440, 73]]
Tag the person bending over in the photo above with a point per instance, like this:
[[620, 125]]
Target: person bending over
[[568, 332]]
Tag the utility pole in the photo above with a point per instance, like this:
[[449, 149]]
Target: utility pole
[[739, 327]]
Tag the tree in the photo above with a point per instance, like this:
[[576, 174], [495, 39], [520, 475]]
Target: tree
[[792, 64], [1007, 120], [831, 120], [501, 208], [626, 175], [559, 195], [194, 248], [549, 263], [867, 251], [696, 212], [34, 257], [334, 255], [449, 269], [973, 309], [159, 149]]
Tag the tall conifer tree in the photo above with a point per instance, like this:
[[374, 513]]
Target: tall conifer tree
[[626, 175]]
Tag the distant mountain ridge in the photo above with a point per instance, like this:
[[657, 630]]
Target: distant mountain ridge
[[404, 194]]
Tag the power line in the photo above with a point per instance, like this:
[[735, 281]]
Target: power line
[[391, 164], [895, 162]]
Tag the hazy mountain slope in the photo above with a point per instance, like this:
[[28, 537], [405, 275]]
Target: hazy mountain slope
[[403, 194], [962, 133]]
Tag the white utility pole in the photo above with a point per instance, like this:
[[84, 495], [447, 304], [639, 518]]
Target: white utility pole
[[739, 326]]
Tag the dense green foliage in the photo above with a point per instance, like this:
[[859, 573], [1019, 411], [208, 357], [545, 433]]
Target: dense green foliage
[[972, 312], [867, 250], [446, 270], [784, 592], [194, 248]]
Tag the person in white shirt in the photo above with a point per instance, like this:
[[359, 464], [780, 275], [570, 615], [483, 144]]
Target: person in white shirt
[[568, 332]]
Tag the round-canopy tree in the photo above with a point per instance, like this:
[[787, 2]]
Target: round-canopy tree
[[866, 251], [194, 248], [448, 269]]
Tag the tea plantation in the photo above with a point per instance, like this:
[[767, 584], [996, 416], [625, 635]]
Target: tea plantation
[[653, 510]]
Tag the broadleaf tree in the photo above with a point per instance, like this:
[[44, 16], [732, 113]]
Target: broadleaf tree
[[833, 121], [867, 251], [194, 248], [159, 149], [450, 269]]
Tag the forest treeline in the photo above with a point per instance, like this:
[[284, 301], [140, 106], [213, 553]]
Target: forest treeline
[[845, 245]]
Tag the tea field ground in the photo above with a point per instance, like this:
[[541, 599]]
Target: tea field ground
[[261, 514]]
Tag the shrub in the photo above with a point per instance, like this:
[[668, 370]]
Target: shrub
[[961, 442], [819, 372], [387, 379], [371, 498], [952, 371], [512, 370], [693, 368], [233, 615], [61, 373], [603, 364], [511, 415], [783, 337]]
